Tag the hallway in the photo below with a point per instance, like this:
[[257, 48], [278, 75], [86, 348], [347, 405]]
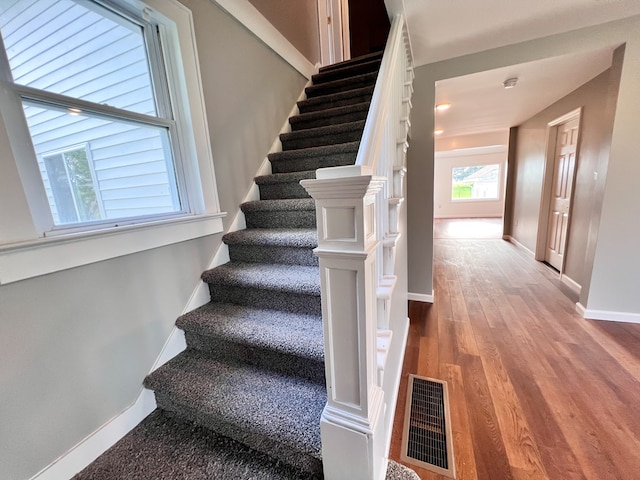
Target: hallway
[[536, 391]]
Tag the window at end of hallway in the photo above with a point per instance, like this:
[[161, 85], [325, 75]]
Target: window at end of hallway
[[476, 182]]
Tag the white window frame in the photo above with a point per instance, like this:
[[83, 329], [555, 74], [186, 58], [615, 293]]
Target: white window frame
[[25, 251]]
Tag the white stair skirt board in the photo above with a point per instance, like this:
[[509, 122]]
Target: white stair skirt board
[[623, 317], [394, 370], [254, 21], [421, 297], [99, 441]]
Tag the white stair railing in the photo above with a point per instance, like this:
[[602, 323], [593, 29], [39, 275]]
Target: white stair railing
[[357, 210]]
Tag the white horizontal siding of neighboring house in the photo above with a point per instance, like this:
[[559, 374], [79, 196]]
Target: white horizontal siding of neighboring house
[[103, 62]]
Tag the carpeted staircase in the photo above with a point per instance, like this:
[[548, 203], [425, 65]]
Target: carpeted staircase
[[244, 400]]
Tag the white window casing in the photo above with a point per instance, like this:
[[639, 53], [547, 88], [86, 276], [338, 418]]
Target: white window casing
[[31, 245]]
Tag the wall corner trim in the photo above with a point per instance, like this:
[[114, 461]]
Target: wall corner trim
[[606, 315], [421, 297], [252, 19], [99, 441]]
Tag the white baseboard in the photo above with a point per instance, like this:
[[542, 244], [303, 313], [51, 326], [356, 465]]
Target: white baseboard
[[580, 309], [254, 21], [625, 317], [571, 283], [99, 441], [509, 238], [421, 297]]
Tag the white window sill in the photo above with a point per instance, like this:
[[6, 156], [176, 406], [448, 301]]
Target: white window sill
[[20, 261]]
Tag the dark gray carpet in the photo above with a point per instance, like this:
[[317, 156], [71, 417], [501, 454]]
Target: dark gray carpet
[[244, 400]]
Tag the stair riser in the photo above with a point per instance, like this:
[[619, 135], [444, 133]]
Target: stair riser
[[313, 163], [275, 300], [269, 254], [352, 61], [345, 72], [283, 190], [281, 219], [327, 88], [264, 444], [223, 349], [322, 140], [299, 123], [308, 107]]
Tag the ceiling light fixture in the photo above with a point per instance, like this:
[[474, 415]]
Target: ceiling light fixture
[[443, 106], [510, 82], [438, 132]]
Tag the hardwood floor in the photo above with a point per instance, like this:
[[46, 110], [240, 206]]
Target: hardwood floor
[[536, 391]]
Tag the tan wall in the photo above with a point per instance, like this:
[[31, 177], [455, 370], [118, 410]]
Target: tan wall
[[76, 345], [297, 20], [595, 139]]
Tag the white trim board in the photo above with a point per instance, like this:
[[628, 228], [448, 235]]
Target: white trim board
[[421, 297], [510, 239], [254, 21], [96, 443], [609, 316]]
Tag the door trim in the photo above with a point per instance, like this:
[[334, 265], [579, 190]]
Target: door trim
[[335, 40], [547, 182]]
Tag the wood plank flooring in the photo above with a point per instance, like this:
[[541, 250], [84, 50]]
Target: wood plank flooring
[[537, 392]]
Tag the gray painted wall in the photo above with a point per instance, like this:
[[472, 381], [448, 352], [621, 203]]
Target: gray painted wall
[[76, 345], [616, 270], [595, 138]]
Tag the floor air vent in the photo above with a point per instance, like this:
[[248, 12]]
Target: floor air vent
[[426, 439]]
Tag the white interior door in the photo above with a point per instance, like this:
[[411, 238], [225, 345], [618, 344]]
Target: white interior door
[[560, 205], [335, 45]]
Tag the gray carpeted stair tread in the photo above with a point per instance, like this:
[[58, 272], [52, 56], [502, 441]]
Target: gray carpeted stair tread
[[330, 116], [314, 152], [397, 471], [277, 178], [165, 447], [335, 86], [292, 334], [347, 71], [300, 279], [314, 157], [263, 245], [352, 61], [290, 205], [331, 100], [295, 237], [284, 185], [272, 413], [325, 135], [280, 213]]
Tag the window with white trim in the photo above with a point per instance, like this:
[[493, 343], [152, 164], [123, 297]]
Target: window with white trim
[[95, 73], [104, 142]]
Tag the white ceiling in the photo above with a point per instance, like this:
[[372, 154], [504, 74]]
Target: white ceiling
[[442, 29], [480, 103]]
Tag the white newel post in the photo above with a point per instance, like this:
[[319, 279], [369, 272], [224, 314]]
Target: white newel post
[[352, 424]]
